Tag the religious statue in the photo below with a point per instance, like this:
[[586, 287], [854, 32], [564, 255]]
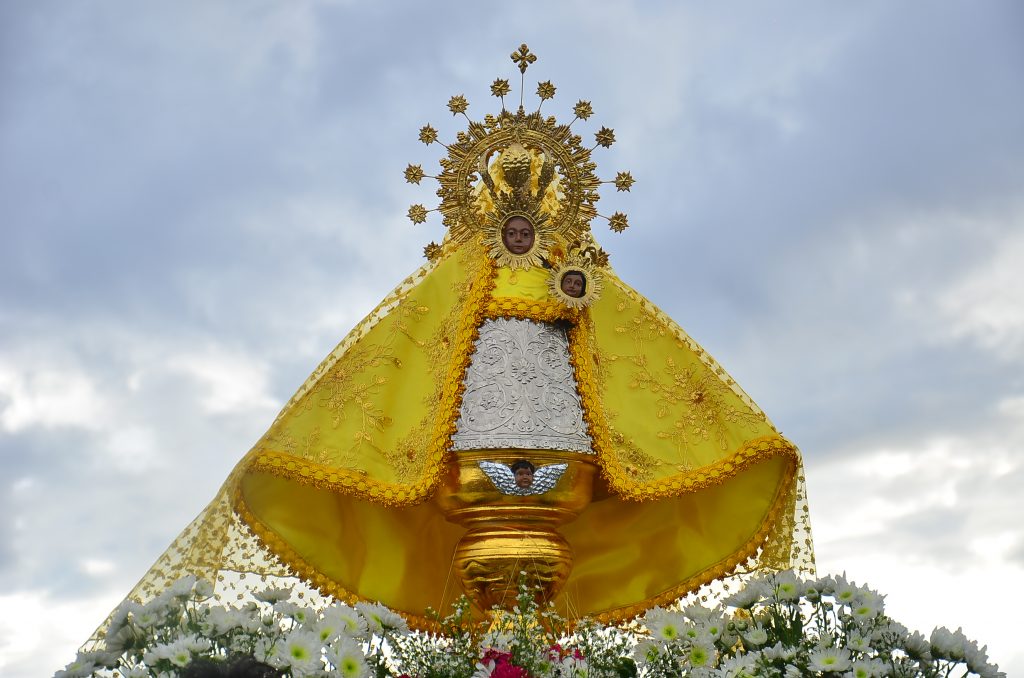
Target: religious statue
[[512, 408]]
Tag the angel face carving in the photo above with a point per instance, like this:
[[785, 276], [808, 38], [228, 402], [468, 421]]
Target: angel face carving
[[523, 472], [522, 478]]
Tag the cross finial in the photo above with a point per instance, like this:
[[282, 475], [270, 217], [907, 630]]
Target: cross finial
[[523, 58]]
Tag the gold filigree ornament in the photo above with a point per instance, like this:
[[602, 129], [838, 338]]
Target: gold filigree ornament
[[585, 278], [517, 164]]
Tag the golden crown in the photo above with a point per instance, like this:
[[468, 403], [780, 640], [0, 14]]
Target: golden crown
[[519, 164]]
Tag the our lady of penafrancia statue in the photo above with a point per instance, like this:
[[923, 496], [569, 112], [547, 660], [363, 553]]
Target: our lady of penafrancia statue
[[511, 407]]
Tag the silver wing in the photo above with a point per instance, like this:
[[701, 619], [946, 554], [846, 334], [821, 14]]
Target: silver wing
[[544, 478], [501, 475]]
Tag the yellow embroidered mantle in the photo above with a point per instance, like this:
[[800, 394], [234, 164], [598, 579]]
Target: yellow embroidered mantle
[[695, 483]]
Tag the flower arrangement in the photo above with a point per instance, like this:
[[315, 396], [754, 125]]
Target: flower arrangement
[[777, 625]]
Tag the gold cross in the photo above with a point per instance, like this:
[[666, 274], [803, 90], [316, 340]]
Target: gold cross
[[524, 57]]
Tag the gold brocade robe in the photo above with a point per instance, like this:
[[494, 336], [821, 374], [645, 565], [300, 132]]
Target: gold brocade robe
[[695, 481]]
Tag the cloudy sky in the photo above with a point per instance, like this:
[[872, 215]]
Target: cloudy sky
[[197, 201]]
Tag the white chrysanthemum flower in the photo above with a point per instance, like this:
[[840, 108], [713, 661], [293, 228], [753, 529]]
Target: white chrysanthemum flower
[[977, 660], [699, 613], [202, 589], [135, 672], [702, 655], [177, 652], [665, 625], [148, 617], [273, 595], [127, 635], [266, 650], [948, 644], [196, 644], [793, 672], [917, 646], [756, 636], [824, 585], [646, 650], [867, 605], [380, 619], [845, 591], [182, 588], [868, 668], [779, 651], [498, 640], [786, 587], [299, 651], [571, 667], [80, 667], [122, 615], [740, 666], [346, 619], [857, 642], [348, 659], [218, 621], [713, 628], [890, 634], [302, 615], [484, 669], [830, 659], [746, 597]]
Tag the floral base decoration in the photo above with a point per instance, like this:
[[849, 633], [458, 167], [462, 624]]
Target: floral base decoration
[[777, 625]]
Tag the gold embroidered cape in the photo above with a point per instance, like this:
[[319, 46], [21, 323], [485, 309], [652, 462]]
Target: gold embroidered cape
[[695, 484]]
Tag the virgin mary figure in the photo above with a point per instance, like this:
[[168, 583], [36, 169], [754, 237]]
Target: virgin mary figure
[[515, 342]]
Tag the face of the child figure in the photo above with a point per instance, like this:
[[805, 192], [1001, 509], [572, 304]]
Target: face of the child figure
[[517, 234], [573, 284], [524, 477]]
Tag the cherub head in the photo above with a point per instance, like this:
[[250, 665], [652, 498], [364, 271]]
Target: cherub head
[[574, 284], [518, 235], [523, 471]]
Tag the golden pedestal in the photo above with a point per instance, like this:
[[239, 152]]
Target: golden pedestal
[[510, 538]]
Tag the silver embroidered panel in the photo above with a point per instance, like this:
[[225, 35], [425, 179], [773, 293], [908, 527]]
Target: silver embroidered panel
[[520, 391], [504, 479]]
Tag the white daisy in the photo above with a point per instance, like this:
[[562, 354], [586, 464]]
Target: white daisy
[[348, 659], [740, 666], [380, 619], [203, 589], [79, 668], [948, 644], [756, 636], [868, 668], [273, 595], [701, 655], [665, 625], [786, 586], [182, 588], [347, 620], [747, 596], [299, 651], [830, 659]]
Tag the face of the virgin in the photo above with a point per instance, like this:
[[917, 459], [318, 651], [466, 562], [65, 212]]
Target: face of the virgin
[[517, 234], [572, 284]]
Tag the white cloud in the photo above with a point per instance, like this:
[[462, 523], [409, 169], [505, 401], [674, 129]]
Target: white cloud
[[96, 566], [49, 398], [934, 525], [986, 305], [41, 632], [230, 382]]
